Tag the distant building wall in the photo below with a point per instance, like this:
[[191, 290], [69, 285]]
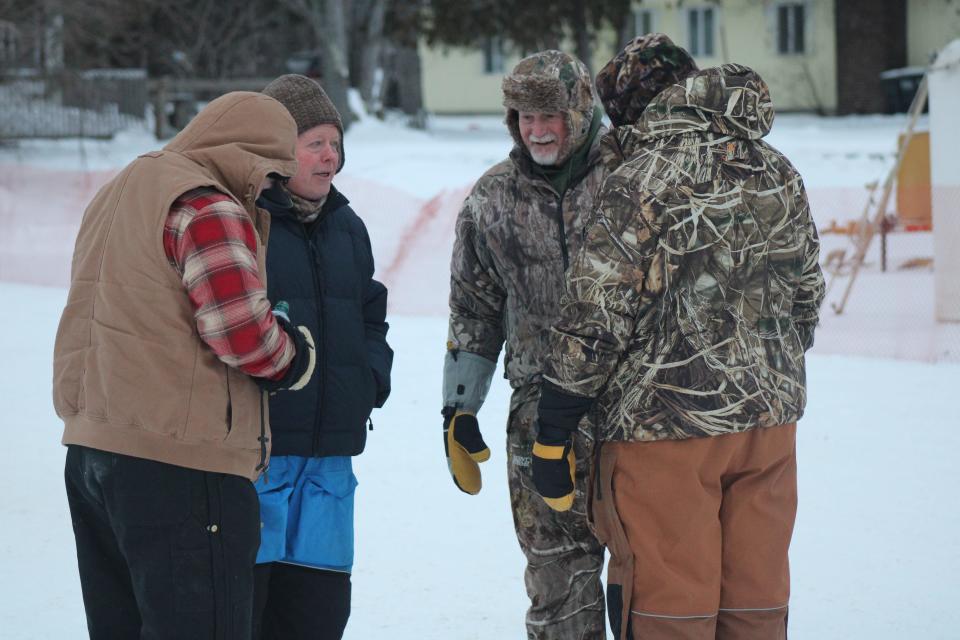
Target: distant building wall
[[791, 44], [467, 80], [816, 55], [460, 80], [931, 25]]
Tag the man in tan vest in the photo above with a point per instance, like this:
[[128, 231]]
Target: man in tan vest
[[165, 346]]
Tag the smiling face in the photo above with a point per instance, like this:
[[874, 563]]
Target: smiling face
[[318, 156], [543, 133]]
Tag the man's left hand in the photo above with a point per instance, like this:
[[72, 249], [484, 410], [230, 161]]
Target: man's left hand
[[554, 465]]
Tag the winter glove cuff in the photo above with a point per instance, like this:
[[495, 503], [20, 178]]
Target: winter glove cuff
[[466, 379], [559, 412]]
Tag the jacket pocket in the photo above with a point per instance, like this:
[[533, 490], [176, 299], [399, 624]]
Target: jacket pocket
[[241, 415], [324, 536], [275, 500]]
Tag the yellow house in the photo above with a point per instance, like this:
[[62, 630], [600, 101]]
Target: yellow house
[[461, 80], [790, 43], [802, 48]]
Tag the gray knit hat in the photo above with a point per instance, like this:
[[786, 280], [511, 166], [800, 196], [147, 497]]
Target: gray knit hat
[[308, 103]]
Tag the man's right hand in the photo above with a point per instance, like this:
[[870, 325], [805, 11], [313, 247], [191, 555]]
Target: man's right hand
[[465, 449]]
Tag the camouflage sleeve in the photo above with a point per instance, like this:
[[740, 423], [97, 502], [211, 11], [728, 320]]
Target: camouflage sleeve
[[810, 293], [611, 283], [477, 295]]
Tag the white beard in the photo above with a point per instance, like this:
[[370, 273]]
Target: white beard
[[543, 157], [546, 159]]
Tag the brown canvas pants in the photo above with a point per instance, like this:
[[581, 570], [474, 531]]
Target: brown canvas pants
[[698, 532]]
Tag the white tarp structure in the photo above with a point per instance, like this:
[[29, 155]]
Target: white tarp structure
[[944, 79]]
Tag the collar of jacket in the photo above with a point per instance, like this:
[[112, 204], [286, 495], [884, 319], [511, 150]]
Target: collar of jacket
[[277, 201]]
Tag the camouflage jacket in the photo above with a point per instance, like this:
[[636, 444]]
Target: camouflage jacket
[[696, 295], [514, 239]]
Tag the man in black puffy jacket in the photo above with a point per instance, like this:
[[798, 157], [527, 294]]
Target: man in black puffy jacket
[[319, 260]]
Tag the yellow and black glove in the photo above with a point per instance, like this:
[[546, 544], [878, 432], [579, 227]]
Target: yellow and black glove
[[554, 465], [465, 449]]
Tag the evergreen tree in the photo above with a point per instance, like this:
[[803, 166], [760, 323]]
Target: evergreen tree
[[531, 25]]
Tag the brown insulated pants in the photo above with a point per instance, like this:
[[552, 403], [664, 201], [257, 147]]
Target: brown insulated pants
[[698, 532]]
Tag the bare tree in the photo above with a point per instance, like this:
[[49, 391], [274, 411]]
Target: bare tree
[[328, 24], [18, 20], [403, 81], [367, 47], [581, 33]]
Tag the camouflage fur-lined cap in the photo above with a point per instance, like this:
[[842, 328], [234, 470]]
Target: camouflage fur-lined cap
[[551, 81], [647, 65], [308, 103]]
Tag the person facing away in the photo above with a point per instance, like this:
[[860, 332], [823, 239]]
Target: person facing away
[[686, 320], [515, 234], [320, 260], [166, 334]]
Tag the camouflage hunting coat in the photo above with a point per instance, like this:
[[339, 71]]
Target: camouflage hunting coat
[[689, 310], [514, 239]]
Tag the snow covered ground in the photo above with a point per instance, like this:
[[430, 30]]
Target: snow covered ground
[[876, 552]]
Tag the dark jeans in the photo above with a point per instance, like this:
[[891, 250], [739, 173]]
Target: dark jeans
[[299, 603], [163, 551]]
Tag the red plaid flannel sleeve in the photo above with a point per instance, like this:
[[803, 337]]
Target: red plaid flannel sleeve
[[211, 242]]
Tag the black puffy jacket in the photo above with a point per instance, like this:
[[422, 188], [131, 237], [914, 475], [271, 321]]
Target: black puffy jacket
[[324, 271]]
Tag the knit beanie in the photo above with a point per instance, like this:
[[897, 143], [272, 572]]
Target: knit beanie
[[308, 103], [647, 65]]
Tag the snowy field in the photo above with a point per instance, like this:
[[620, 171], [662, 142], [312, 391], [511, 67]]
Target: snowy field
[[876, 552]]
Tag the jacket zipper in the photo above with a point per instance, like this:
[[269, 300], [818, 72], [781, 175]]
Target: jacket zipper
[[320, 341], [565, 252]]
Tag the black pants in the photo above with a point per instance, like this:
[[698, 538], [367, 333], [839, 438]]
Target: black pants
[[164, 551], [299, 603]]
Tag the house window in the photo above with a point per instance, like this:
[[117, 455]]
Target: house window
[[642, 21], [790, 28], [701, 22], [8, 42], [493, 55]]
